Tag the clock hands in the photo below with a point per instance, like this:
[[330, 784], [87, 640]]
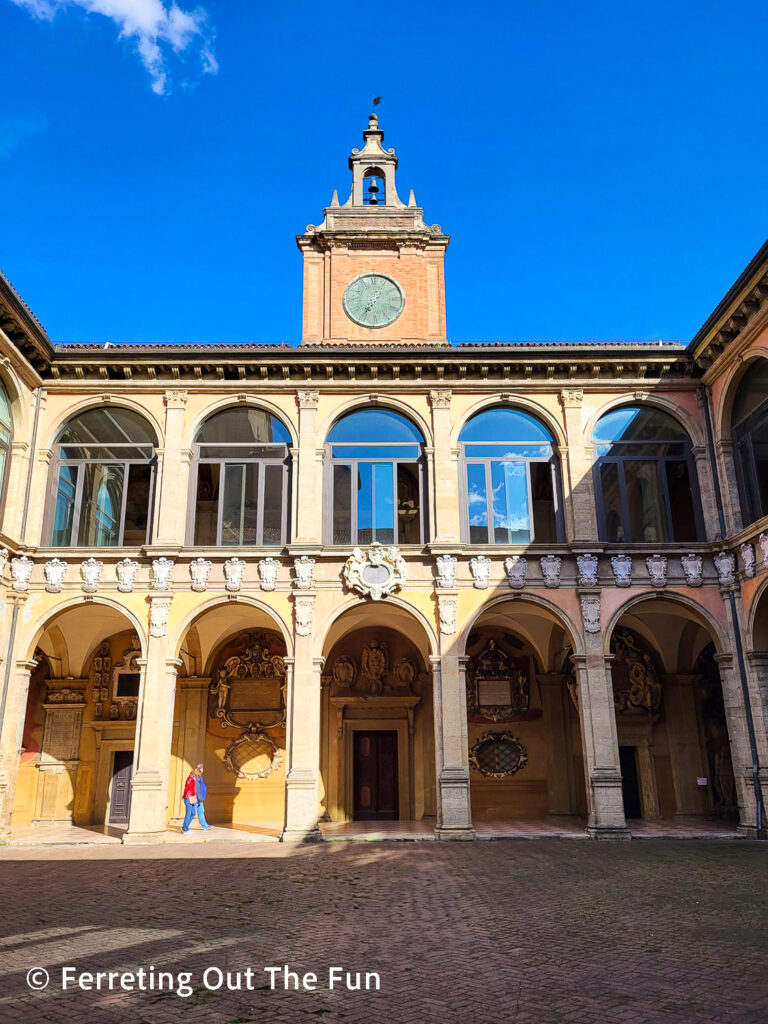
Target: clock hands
[[372, 302]]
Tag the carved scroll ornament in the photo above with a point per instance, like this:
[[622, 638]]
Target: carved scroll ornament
[[250, 701]]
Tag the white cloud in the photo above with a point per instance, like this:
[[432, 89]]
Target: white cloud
[[154, 25]]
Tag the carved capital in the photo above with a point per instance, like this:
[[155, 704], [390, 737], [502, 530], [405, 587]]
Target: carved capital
[[308, 399], [572, 398], [440, 399], [175, 399]]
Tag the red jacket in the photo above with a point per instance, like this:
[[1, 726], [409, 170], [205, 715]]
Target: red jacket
[[189, 787]]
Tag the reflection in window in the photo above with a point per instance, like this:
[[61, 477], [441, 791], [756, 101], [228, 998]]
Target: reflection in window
[[750, 438], [643, 477], [511, 480], [6, 431], [376, 479], [242, 479], [104, 473]]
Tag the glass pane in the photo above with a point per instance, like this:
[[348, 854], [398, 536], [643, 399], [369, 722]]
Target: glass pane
[[6, 420], [760, 454], [408, 504], [5, 434], [240, 452], [3, 459], [651, 449], [375, 503], [680, 501], [374, 425], [511, 520], [504, 425], [243, 425], [207, 504], [342, 504], [477, 503], [105, 426], [379, 451], [240, 506], [614, 520], [273, 505], [543, 502], [645, 501], [137, 504], [65, 506], [106, 452], [635, 423], [101, 506], [507, 450], [752, 392]]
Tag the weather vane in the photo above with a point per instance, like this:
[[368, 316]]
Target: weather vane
[[377, 100]]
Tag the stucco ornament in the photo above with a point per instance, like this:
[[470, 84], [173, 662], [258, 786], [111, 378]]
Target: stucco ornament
[[498, 755], [762, 540], [268, 570], [748, 558], [692, 565], [550, 570], [622, 570], [657, 570], [376, 572], [126, 570], [3, 560], [446, 571], [725, 563], [234, 574], [90, 572], [480, 567], [21, 570], [515, 567], [159, 613], [304, 608], [199, 573], [587, 566], [590, 612], [252, 755], [161, 573], [447, 606], [304, 573], [55, 571]]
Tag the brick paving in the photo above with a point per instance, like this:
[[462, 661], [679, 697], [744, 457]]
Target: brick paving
[[520, 933]]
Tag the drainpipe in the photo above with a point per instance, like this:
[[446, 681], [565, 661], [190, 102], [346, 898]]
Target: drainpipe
[[25, 513], [759, 809]]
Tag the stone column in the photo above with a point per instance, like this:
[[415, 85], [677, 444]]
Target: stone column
[[174, 482], [193, 713], [16, 482], [707, 491], [578, 485], [304, 673], [10, 739], [559, 785], [154, 730], [599, 740], [444, 464], [758, 662], [726, 467], [308, 480]]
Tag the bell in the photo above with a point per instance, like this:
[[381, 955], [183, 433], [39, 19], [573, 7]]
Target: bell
[[373, 187]]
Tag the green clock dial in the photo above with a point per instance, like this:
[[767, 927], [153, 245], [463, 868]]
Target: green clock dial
[[373, 300]]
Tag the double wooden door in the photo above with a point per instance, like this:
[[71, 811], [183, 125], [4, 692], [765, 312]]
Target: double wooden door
[[120, 797], [375, 776]]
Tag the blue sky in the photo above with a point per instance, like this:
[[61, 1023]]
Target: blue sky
[[600, 167]]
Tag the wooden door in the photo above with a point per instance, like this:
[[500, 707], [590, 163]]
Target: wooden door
[[120, 798], [630, 782], [375, 776]]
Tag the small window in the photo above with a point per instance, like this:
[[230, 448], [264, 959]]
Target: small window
[[644, 474], [241, 495], [498, 755], [510, 480], [375, 479], [750, 440]]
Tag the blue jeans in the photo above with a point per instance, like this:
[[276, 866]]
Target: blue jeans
[[192, 810]]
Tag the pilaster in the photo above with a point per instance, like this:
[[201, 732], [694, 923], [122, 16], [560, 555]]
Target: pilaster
[[11, 737], [308, 476], [304, 683], [578, 484], [444, 471], [454, 810], [174, 474]]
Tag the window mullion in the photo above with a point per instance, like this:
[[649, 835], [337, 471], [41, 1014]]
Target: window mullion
[[489, 530], [121, 523], [75, 535]]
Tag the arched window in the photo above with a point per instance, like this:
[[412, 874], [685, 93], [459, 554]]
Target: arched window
[[750, 439], [644, 478], [242, 479], [6, 432], [511, 490], [376, 479], [104, 475]]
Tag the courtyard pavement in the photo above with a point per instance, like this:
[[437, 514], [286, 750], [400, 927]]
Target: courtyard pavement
[[509, 932]]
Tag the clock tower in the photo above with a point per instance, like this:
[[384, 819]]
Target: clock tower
[[373, 270]]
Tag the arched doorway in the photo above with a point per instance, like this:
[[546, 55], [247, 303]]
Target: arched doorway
[[377, 733]]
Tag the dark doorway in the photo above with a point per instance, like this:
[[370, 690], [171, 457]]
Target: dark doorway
[[120, 798], [630, 784], [375, 776]]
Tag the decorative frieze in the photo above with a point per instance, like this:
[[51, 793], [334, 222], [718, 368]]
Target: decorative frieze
[[550, 570], [375, 573], [587, 566], [234, 574], [621, 566], [304, 573], [55, 570], [448, 607], [446, 571], [161, 573], [21, 570], [515, 567], [748, 558], [657, 570], [692, 569], [91, 571], [304, 609], [126, 570], [590, 612], [725, 563], [200, 573], [268, 569], [480, 567]]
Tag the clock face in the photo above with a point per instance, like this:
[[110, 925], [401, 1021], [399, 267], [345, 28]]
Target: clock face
[[373, 300]]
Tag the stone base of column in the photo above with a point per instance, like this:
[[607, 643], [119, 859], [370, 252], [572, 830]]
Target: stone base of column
[[455, 812], [751, 832], [607, 832], [452, 834], [143, 838], [606, 819], [301, 808], [301, 835]]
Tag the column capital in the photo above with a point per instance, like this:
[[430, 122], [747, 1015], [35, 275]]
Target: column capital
[[440, 399], [175, 399], [308, 399]]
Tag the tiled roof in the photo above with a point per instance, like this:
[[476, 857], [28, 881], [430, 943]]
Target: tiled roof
[[15, 293], [201, 349]]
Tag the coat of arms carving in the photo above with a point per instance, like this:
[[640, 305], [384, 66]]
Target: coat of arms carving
[[376, 572], [496, 688], [249, 688]]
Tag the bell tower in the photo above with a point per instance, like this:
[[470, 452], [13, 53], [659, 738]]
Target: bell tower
[[373, 270]]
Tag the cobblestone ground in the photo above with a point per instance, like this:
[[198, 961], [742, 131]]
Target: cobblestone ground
[[512, 932]]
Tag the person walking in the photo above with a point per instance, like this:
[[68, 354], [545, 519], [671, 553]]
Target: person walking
[[194, 798]]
